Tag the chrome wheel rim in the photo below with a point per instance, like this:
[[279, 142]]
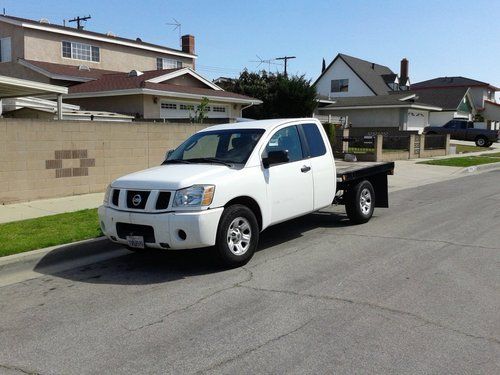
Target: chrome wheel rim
[[239, 235], [365, 201], [481, 142]]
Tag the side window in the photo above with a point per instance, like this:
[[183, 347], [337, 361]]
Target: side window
[[287, 139], [314, 140]]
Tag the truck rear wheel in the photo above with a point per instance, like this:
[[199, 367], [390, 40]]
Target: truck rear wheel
[[237, 235], [481, 141], [360, 202]]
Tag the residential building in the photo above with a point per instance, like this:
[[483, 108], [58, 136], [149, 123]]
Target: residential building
[[105, 71], [171, 94], [455, 102], [481, 94], [26, 43], [348, 76], [399, 111]]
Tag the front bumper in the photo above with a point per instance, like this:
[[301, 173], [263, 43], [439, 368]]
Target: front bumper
[[200, 227]]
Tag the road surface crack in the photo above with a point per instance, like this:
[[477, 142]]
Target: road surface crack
[[249, 276], [254, 349], [19, 369], [371, 305]]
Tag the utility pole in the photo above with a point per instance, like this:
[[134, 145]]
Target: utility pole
[[78, 21], [285, 58]]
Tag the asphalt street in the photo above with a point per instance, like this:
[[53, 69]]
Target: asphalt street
[[415, 290]]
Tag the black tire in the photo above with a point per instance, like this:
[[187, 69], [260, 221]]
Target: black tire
[[360, 202], [481, 141], [229, 242]]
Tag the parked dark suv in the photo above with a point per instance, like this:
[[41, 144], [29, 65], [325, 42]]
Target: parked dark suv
[[464, 130]]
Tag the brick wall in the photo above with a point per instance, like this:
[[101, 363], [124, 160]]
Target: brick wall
[[45, 159]]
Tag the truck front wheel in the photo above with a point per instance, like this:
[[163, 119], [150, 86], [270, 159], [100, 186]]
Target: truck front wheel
[[481, 141], [360, 202], [237, 235]]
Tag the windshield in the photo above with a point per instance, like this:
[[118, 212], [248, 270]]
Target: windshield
[[224, 146]]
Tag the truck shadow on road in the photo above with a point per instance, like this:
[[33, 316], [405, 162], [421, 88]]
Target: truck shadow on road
[[156, 266]]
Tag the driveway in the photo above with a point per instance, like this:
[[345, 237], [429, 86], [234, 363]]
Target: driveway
[[416, 290]]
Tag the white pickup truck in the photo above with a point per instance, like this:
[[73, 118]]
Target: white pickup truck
[[227, 183]]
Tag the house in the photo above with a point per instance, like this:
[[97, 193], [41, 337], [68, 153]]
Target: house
[[349, 76], [398, 111], [171, 94], [481, 94], [455, 102], [89, 62]]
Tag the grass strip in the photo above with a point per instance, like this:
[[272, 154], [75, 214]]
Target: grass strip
[[466, 161], [20, 236]]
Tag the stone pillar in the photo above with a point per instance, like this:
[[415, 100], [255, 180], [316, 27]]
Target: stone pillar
[[345, 145], [379, 140], [411, 147], [447, 144]]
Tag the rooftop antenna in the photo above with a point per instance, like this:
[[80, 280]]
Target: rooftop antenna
[[286, 58], [79, 20], [261, 61], [177, 26]]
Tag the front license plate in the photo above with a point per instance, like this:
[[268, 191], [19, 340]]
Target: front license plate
[[137, 242]]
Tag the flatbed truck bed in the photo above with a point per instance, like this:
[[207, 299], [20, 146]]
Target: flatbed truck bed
[[350, 174]]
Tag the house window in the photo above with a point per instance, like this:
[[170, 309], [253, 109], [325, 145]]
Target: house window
[[216, 108], [164, 63], [340, 85], [187, 107], [5, 50], [168, 105], [80, 51]]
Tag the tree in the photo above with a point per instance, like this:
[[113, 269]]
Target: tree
[[200, 112], [282, 96]]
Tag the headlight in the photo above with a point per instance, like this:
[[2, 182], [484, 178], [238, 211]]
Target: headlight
[[194, 196], [106, 195]]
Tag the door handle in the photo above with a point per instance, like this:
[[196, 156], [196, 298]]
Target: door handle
[[305, 169]]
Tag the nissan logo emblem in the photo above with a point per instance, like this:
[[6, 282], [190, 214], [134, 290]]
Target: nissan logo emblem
[[136, 200]]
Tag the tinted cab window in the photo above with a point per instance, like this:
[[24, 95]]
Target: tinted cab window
[[287, 139], [314, 140]]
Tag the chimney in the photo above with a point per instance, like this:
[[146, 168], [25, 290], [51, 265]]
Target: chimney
[[188, 44], [403, 73]]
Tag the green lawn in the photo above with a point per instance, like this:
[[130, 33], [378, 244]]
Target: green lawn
[[466, 148], [24, 235], [466, 161], [492, 155]]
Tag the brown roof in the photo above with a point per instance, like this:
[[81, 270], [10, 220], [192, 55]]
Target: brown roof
[[122, 81], [93, 33], [445, 82], [446, 98], [69, 70]]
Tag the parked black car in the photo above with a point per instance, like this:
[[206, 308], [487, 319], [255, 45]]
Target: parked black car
[[464, 130]]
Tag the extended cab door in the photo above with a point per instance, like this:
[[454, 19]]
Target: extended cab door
[[322, 165], [289, 184]]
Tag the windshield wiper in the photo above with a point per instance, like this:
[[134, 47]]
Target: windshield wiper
[[210, 160], [176, 161]]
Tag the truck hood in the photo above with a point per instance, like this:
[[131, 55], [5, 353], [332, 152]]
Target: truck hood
[[174, 176]]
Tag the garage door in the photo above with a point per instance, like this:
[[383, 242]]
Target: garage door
[[417, 120], [171, 109]]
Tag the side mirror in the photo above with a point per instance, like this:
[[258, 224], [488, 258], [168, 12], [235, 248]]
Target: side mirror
[[275, 157], [168, 153]]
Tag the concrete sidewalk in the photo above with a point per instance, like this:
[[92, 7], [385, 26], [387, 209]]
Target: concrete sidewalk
[[408, 174], [45, 207]]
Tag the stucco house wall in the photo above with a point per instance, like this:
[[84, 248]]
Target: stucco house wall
[[340, 70]]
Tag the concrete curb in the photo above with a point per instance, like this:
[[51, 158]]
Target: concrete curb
[[19, 267], [480, 168]]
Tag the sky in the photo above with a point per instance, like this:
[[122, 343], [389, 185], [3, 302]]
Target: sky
[[439, 38]]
